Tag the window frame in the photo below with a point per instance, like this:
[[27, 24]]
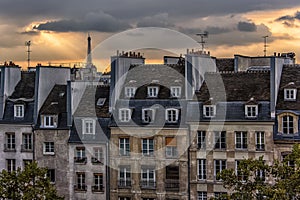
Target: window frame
[[152, 91], [220, 140], [47, 122], [201, 195], [148, 170], [211, 112], [51, 175], [130, 92], [201, 135], [127, 114], [288, 122], [243, 140], [221, 167], [11, 165], [126, 146], [290, 94], [18, 110], [152, 117], [91, 127], [81, 181], [175, 91], [10, 141], [52, 149], [98, 182], [253, 113], [170, 116], [201, 169], [148, 151], [124, 175], [260, 141]]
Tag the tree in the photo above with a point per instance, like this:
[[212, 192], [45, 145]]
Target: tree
[[28, 184], [255, 179]]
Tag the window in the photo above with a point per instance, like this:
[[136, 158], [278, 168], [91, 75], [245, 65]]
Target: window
[[238, 172], [49, 121], [175, 91], [130, 91], [260, 141], [51, 175], [124, 147], [172, 115], [261, 174], [220, 140], [148, 147], [290, 161], [290, 94], [80, 181], [80, 156], [48, 148], [98, 156], [148, 115], [10, 142], [124, 115], [288, 124], [172, 178], [18, 110], [98, 182], [241, 140], [11, 165], [171, 147], [124, 176], [209, 110], [152, 91], [219, 166], [148, 177], [202, 169], [201, 139], [88, 126], [202, 196], [251, 111], [27, 142]]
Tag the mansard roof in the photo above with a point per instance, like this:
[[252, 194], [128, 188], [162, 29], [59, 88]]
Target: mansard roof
[[26, 86], [290, 78], [240, 86], [225, 64]]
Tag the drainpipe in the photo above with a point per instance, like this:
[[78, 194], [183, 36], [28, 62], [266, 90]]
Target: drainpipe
[[189, 163], [107, 171]]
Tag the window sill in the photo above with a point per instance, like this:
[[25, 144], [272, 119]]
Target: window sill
[[48, 154], [10, 150]]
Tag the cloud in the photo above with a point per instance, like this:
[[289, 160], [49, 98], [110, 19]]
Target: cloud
[[290, 18], [246, 27], [100, 21], [217, 30], [159, 20]]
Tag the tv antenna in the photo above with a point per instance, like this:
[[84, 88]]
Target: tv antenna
[[265, 45], [28, 43], [202, 42]]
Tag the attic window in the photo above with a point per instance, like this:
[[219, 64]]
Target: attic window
[[290, 94], [175, 91], [88, 126], [101, 101], [49, 121], [19, 111], [251, 111], [130, 91], [209, 110], [152, 91]]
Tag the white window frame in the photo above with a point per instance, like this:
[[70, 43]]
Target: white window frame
[[211, 111], [47, 121], [222, 167], [27, 141], [242, 137], [89, 124], [148, 151], [252, 109], [148, 170], [50, 175], [124, 151], [11, 165], [10, 141], [201, 139], [125, 170], [52, 152], [145, 118], [169, 118], [81, 180], [80, 153], [260, 141], [288, 120], [130, 92], [175, 91], [98, 153], [124, 114], [201, 169], [201, 195], [152, 91], [290, 94], [19, 110], [98, 181], [243, 177]]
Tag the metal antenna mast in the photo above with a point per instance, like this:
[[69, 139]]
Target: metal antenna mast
[[265, 45], [28, 43], [202, 42]]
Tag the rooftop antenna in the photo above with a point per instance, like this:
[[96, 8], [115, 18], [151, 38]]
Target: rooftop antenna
[[28, 43], [202, 42], [265, 45]]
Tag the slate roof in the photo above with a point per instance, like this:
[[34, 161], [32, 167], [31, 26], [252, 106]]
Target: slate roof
[[290, 74], [225, 64], [164, 76], [25, 87], [88, 104], [240, 86]]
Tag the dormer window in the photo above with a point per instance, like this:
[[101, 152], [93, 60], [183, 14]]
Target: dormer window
[[49, 121], [88, 126], [172, 115], [130, 92], [209, 110], [290, 94], [175, 91], [152, 91], [19, 111], [148, 115], [124, 114], [251, 111]]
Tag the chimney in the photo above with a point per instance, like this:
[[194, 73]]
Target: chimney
[[89, 50]]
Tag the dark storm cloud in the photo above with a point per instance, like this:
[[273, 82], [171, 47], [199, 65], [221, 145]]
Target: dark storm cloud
[[214, 30], [159, 20], [294, 17], [246, 27], [100, 21]]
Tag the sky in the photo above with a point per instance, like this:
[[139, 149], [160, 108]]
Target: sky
[[58, 29]]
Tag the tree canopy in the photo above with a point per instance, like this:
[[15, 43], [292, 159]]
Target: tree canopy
[[28, 184]]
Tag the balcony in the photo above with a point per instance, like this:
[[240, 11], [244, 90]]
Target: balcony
[[26, 148], [9, 147], [124, 183], [172, 185], [148, 184], [260, 147], [80, 187], [97, 161], [98, 188], [80, 160]]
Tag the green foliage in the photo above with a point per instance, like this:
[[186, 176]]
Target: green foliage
[[29, 184], [280, 181]]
